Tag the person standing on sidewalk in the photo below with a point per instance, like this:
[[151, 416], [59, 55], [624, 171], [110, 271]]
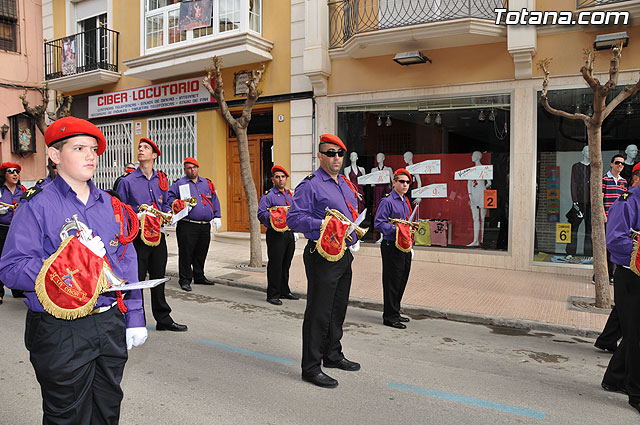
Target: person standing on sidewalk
[[328, 280], [10, 192], [613, 185], [281, 241], [623, 373], [396, 247], [194, 230], [148, 186], [77, 337]]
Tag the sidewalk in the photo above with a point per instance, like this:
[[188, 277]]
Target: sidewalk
[[535, 301]]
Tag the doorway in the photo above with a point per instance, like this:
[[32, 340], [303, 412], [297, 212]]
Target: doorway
[[237, 207]]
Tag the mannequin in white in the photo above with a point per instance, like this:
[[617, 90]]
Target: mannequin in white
[[379, 190], [408, 159], [352, 172], [631, 152], [476, 190]]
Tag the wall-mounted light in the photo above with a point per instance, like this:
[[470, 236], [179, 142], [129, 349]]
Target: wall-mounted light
[[411, 58], [4, 129], [388, 121], [607, 41]]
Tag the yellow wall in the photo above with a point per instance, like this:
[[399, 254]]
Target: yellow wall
[[555, 5], [282, 135], [450, 66]]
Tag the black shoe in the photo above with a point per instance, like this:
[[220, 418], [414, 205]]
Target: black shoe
[[610, 348], [395, 324], [0, 300], [204, 282], [175, 327], [186, 287], [343, 364], [635, 405], [274, 301], [404, 319], [321, 380], [613, 389], [290, 296]]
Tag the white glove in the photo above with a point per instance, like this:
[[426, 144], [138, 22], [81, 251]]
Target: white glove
[[95, 245], [136, 337], [412, 252], [4, 210], [217, 222], [355, 247], [295, 237]]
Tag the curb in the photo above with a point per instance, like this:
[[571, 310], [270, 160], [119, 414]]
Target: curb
[[436, 313]]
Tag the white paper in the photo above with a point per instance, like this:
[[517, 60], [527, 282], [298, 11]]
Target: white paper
[[430, 166], [376, 177], [138, 285], [182, 214], [479, 172], [437, 190], [185, 192]]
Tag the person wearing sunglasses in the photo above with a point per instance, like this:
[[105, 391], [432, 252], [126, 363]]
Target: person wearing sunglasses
[[328, 280], [10, 192], [396, 262]]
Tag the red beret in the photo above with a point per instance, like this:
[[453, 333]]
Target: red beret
[[68, 127], [129, 170], [6, 165], [402, 171], [189, 160], [156, 149], [330, 138], [635, 168], [279, 168]]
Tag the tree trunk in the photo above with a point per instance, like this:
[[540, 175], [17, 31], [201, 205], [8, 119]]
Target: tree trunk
[[603, 293], [255, 260]]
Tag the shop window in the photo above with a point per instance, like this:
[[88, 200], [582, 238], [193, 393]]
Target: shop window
[[463, 146], [23, 134], [8, 25], [563, 200]]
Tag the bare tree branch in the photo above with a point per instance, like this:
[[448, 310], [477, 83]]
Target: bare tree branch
[[252, 95], [218, 91], [544, 100], [613, 68], [621, 97], [587, 69]]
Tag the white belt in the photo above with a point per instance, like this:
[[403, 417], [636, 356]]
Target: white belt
[[103, 308]]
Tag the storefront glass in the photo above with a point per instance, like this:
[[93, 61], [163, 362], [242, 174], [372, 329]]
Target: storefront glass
[[462, 145], [563, 201]]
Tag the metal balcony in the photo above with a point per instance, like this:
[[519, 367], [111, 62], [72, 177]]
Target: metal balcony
[[581, 4], [351, 17], [69, 60]]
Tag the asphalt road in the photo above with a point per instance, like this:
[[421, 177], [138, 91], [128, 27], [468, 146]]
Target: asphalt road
[[239, 363]]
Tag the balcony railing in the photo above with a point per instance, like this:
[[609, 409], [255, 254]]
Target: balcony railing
[[581, 4], [350, 17], [82, 52]]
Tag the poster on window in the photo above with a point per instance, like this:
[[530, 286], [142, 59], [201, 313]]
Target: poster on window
[[69, 55], [195, 14]]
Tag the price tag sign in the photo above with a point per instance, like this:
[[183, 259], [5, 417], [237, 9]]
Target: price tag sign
[[563, 232], [491, 199]]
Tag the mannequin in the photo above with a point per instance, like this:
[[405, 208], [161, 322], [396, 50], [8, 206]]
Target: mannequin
[[379, 190], [631, 152], [408, 159], [581, 197], [476, 190], [352, 172]]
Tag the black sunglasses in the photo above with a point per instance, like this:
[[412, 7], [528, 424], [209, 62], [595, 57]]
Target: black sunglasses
[[403, 181], [12, 171], [618, 162], [332, 153]]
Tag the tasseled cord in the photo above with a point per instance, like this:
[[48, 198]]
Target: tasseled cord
[[125, 214]]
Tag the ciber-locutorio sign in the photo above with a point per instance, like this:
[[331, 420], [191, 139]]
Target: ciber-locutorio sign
[[158, 96]]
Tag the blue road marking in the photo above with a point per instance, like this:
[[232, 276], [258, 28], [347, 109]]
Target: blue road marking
[[246, 352], [516, 410]]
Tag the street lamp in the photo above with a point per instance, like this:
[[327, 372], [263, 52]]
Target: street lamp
[[607, 41], [4, 129]]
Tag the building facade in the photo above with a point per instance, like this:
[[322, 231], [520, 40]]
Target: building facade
[[499, 175], [135, 69], [21, 58]]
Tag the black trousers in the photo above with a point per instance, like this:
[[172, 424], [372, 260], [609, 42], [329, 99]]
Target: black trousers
[[280, 249], [611, 332], [575, 225], [328, 286], [79, 365], [396, 266], [624, 367], [193, 246], [153, 260]]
